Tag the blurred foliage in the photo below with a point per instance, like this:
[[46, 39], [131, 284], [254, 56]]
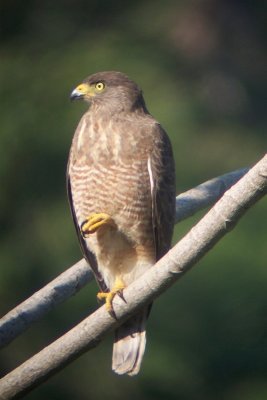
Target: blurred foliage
[[202, 66]]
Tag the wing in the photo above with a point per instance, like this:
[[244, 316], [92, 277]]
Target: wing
[[88, 255], [162, 182]]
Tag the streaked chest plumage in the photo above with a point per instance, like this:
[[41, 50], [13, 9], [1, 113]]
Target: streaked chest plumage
[[109, 173]]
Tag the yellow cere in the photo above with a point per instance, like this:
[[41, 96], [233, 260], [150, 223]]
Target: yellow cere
[[83, 88]]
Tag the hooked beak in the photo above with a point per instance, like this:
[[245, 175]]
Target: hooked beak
[[75, 95], [80, 92]]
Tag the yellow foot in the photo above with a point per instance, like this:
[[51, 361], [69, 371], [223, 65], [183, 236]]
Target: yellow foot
[[94, 222], [109, 296]]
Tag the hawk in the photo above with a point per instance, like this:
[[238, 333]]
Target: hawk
[[121, 189]]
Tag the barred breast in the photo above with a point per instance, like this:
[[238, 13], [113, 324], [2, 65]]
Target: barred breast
[[102, 182]]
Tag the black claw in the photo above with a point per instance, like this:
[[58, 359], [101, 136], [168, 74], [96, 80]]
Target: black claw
[[112, 313], [84, 234], [83, 223], [120, 293]]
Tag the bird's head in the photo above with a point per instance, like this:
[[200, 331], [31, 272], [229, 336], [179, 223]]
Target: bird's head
[[110, 88]]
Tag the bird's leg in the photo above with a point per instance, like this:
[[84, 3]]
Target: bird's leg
[[94, 222], [109, 296]]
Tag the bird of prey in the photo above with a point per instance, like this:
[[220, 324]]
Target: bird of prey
[[121, 188]]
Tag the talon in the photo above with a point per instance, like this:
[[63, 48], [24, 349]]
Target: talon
[[109, 296], [120, 293], [94, 222]]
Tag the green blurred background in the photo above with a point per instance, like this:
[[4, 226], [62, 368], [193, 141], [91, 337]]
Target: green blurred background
[[202, 66]]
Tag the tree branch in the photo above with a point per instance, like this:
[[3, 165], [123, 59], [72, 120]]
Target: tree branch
[[206, 194], [87, 334], [60, 289], [76, 277]]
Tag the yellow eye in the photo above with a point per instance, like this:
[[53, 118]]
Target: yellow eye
[[99, 86]]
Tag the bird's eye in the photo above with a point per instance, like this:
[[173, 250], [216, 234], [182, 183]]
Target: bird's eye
[[99, 86]]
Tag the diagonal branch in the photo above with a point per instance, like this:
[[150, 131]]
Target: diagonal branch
[[76, 277], [31, 310], [206, 194], [212, 227]]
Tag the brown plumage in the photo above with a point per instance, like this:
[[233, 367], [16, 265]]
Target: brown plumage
[[121, 164]]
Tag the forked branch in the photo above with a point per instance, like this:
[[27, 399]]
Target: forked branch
[[214, 225], [76, 277]]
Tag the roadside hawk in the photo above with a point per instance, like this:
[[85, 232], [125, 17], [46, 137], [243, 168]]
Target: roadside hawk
[[121, 188]]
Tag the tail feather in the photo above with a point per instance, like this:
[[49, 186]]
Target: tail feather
[[129, 345]]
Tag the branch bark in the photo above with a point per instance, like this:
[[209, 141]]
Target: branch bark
[[206, 194], [31, 310], [213, 226], [76, 277]]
